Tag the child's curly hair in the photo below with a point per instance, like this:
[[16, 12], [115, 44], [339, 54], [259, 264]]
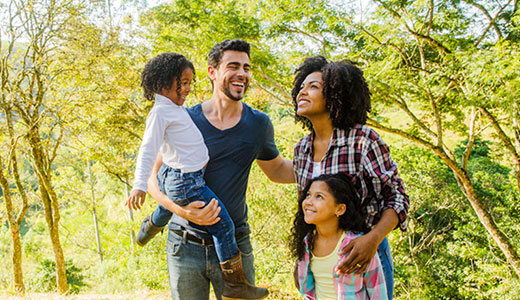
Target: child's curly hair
[[160, 71], [345, 90]]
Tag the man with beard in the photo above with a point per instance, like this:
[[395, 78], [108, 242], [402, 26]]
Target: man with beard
[[235, 135]]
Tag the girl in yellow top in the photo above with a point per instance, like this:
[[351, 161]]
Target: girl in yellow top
[[329, 216]]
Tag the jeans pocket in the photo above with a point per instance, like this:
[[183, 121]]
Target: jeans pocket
[[173, 244], [389, 259]]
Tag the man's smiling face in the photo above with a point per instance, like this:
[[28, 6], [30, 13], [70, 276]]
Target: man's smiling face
[[232, 76]]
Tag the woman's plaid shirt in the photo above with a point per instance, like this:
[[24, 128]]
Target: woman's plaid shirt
[[361, 153]]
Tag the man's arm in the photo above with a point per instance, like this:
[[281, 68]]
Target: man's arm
[[278, 169], [194, 212]]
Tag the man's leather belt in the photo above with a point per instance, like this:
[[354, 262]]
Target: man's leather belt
[[191, 237]]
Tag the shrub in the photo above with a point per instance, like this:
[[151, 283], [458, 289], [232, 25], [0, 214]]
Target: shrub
[[45, 280]]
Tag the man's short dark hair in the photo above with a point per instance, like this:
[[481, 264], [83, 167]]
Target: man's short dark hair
[[160, 71], [215, 54], [346, 93]]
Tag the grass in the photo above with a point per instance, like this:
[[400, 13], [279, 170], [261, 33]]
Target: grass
[[144, 294]]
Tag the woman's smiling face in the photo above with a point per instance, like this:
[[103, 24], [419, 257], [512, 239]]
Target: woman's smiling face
[[310, 98]]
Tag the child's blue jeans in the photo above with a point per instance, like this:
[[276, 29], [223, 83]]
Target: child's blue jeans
[[184, 188]]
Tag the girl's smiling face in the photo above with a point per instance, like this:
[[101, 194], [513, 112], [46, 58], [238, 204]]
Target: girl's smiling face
[[319, 205], [179, 97]]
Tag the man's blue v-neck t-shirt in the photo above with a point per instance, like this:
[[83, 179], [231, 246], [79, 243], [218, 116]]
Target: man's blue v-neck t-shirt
[[231, 154]]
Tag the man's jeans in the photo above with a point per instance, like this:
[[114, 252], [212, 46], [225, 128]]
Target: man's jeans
[[184, 188], [383, 250], [192, 266]]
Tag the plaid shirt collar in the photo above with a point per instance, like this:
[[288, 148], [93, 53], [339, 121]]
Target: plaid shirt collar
[[334, 141]]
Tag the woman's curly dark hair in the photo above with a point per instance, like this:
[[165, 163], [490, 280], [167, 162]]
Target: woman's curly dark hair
[[160, 71], [342, 188], [345, 90]]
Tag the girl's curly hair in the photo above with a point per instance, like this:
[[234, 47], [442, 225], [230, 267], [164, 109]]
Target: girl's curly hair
[[160, 71], [345, 90], [342, 188]]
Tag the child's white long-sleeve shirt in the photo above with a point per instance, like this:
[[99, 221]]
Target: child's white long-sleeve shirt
[[170, 131]]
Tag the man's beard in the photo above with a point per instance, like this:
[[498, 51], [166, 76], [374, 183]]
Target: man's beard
[[225, 88]]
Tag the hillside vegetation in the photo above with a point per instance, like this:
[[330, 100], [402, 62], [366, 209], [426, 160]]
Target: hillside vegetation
[[445, 82]]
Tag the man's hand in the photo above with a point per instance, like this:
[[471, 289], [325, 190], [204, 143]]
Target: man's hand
[[136, 199], [196, 212], [362, 250]]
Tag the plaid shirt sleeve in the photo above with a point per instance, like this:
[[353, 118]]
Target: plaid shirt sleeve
[[388, 187]]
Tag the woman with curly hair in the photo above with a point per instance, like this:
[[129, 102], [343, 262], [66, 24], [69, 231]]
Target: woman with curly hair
[[329, 217], [171, 132], [332, 100]]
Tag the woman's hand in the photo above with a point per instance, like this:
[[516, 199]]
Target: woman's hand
[[362, 250], [136, 199]]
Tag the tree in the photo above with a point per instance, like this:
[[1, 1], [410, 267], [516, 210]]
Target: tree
[[106, 129], [192, 27], [435, 63], [434, 84], [9, 170], [39, 106]]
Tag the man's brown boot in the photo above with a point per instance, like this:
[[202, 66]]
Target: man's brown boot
[[236, 286], [147, 232]]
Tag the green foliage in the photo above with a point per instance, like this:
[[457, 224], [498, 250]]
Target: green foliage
[[446, 253], [46, 277]]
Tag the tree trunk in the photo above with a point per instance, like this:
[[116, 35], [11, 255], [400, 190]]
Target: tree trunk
[[98, 238], [17, 260], [484, 216], [61, 274], [474, 199], [131, 218], [94, 213], [19, 286], [14, 227], [52, 218], [50, 204]]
